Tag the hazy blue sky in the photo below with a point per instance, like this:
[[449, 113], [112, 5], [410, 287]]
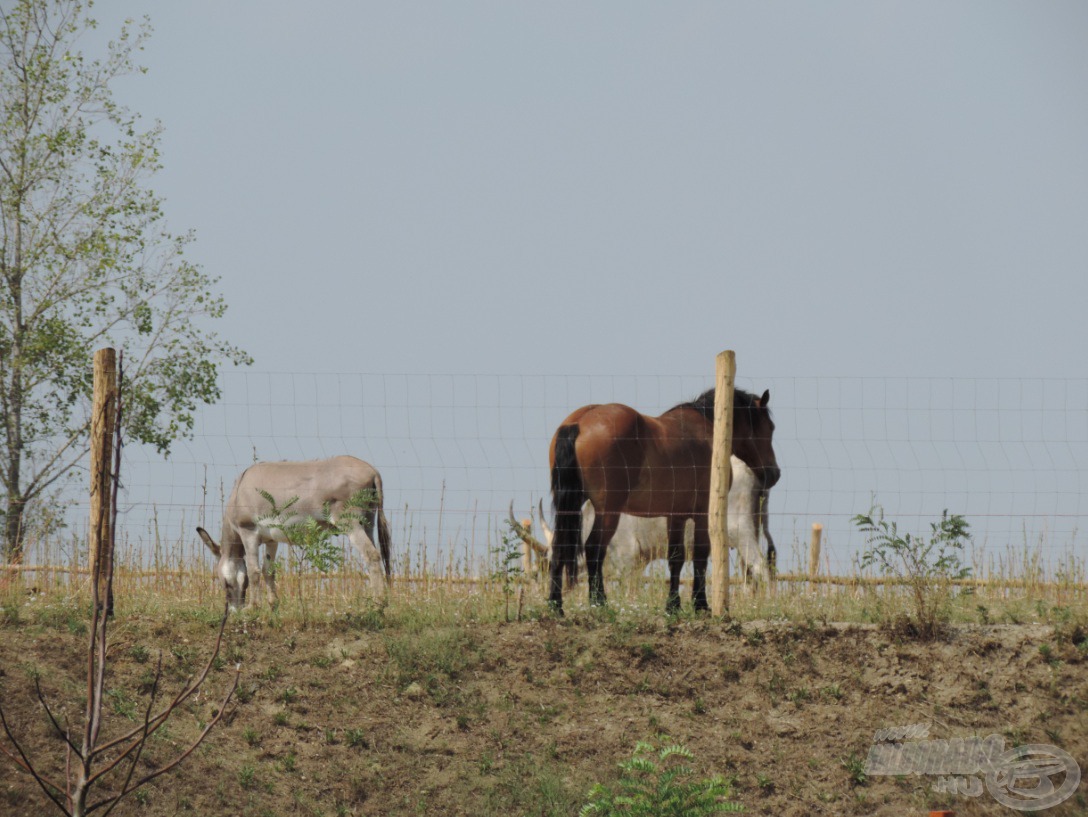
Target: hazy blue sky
[[830, 189], [836, 188]]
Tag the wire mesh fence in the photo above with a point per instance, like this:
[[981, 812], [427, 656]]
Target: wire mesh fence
[[1011, 455]]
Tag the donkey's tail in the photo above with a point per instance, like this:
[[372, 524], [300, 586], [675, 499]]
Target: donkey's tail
[[568, 496], [385, 538]]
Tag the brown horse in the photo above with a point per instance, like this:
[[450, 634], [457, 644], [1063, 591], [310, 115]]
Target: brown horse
[[626, 462]]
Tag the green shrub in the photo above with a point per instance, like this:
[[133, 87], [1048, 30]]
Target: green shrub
[[926, 566]]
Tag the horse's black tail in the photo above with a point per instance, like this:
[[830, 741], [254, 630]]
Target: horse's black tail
[[568, 496]]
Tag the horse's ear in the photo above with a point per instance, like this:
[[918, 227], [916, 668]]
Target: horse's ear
[[765, 399], [212, 546]]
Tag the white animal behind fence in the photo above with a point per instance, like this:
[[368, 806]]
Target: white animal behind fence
[[638, 541]]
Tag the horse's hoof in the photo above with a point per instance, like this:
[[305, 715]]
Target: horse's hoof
[[672, 605], [556, 607]]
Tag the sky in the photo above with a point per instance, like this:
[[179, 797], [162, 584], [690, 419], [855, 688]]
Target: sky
[[508, 208]]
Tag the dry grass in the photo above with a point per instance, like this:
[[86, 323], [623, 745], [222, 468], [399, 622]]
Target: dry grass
[[1017, 586], [429, 701]]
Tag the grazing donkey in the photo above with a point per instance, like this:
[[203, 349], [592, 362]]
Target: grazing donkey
[[342, 494]]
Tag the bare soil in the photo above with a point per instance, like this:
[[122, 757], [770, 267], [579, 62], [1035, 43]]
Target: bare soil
[[392, 712]]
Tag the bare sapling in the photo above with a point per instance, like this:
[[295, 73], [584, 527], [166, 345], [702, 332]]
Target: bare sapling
[[90, 760]]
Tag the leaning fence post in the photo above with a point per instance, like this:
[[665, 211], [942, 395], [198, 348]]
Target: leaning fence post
[[814, 554], [103, 417], [721, 474]]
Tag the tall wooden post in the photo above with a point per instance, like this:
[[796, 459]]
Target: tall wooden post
[[814, 554], [721, 475], [103, 417]]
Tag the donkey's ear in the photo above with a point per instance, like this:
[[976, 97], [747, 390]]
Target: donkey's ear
[[212, 546], [765, 399]]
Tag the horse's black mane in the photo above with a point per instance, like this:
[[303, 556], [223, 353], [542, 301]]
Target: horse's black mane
[[704, 403]]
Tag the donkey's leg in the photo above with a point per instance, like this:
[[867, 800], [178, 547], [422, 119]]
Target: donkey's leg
[[268, 570], [363, 543], [700, 553], [604, 527], [676, 561], [251, 543]]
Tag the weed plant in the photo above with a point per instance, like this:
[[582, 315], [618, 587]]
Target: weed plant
[[658, 781]]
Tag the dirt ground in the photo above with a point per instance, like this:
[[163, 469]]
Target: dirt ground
[[397, 712]]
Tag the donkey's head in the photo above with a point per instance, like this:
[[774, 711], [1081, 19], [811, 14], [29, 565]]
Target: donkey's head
[[231, 569]]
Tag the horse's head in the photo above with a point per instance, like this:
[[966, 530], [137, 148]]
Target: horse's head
[[753, 429], [231, 569]]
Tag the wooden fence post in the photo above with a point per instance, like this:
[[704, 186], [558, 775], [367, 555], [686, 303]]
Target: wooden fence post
[[721, 474], [103, 417], [814, 553]]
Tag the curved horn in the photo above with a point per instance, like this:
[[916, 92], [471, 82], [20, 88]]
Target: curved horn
[[549, 534], [525, 534]]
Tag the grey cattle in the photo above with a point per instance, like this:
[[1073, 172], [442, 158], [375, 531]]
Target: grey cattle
[[641, 540], [343, 491]]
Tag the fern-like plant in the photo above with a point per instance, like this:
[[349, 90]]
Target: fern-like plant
[[659, 782]]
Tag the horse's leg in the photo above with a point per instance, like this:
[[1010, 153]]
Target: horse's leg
[[772, 552], [604, 527], [700, 553], [676, 562], [555, 584]]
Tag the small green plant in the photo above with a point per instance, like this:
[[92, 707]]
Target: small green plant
[[356, 739], [370, 619], [855, 767], [140, 653], [659, 782], [245, 693], [509, 571], [1046, 652], [926, 565], [315, 537], [122, 704], [799, 695], [832, 691]]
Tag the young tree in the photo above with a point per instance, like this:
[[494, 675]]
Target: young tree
[[86, 260]]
